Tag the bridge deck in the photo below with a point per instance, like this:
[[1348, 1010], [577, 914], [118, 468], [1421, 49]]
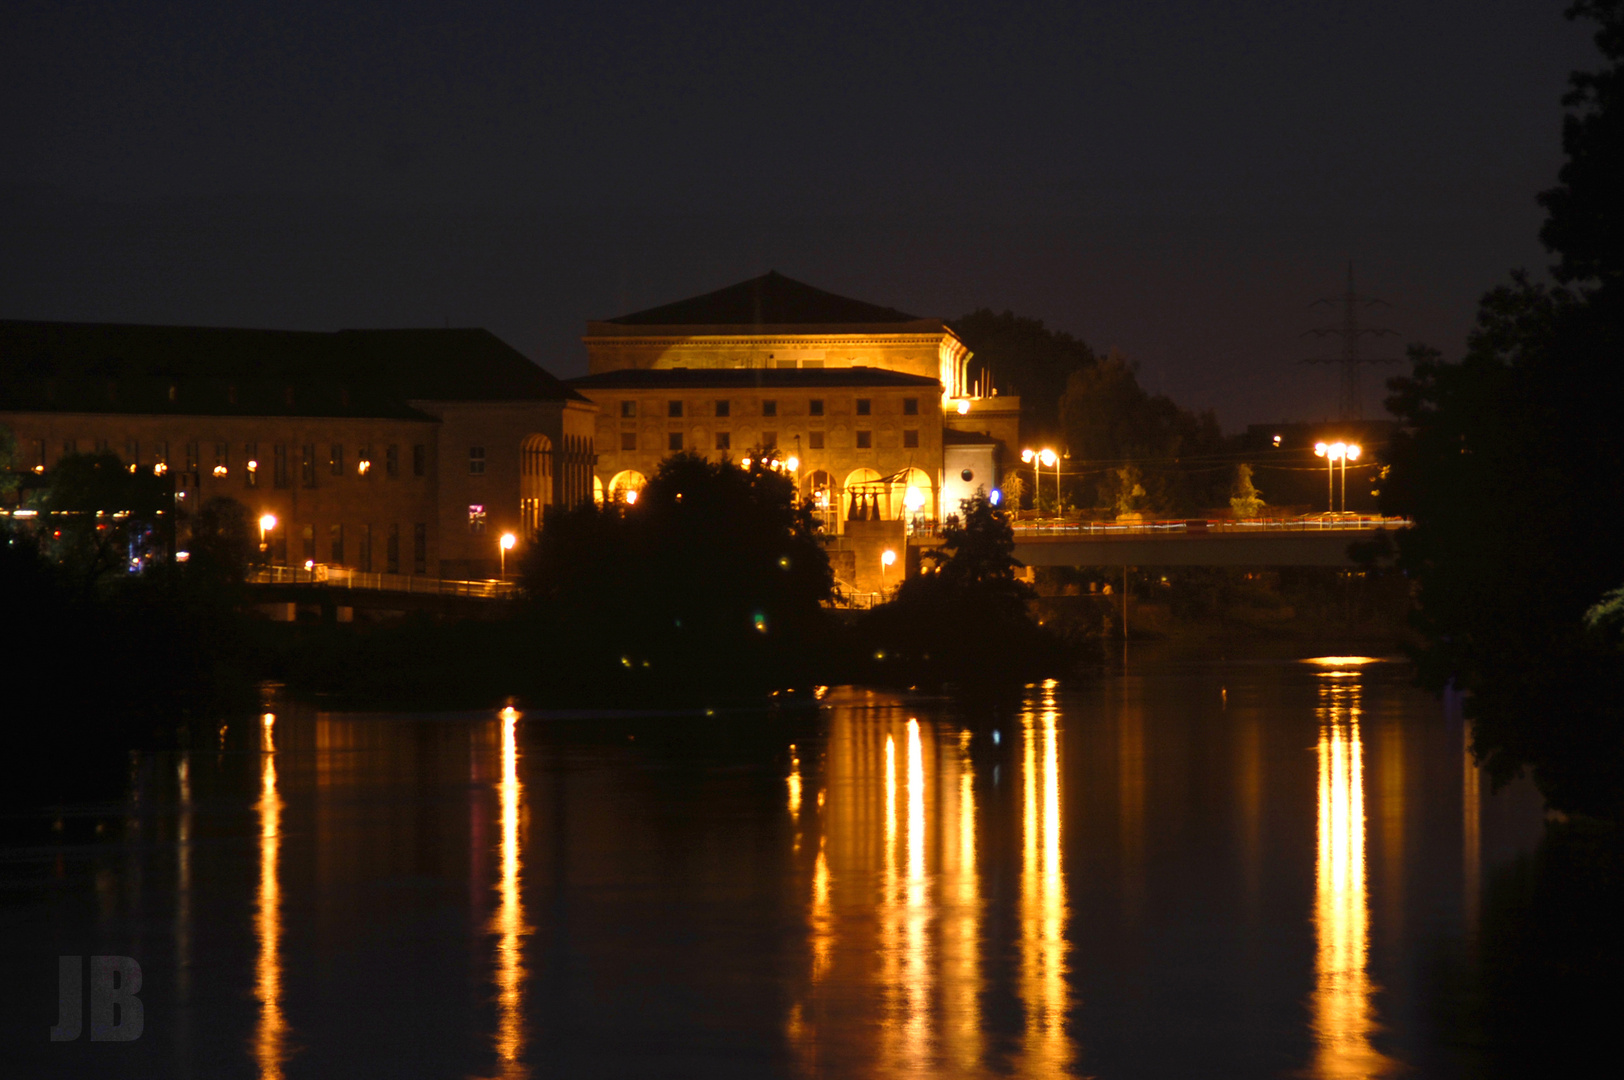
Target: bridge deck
[[1278, 542]]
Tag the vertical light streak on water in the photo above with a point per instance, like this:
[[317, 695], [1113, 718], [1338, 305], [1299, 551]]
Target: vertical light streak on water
[[965, 975], [1471, 832], [507, 923], [1344, 1014], [889, 916], [183, 914], [794, 783], [1047, 1050], [270, 1038], [917, 916]]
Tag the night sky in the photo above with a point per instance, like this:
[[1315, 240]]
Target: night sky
[[1178, 180]]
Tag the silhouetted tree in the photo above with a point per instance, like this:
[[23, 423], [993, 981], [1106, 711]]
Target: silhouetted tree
[[1510, 462], [95, 512], [1025, 358], [222, 545]]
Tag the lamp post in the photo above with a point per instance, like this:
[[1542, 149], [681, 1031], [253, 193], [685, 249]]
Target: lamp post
[[267, 523], [1351, 453], [887, 557], [1334, 453], [1038, 459], [506, 545]]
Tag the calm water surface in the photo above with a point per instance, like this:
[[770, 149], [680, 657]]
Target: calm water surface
[[1219, 870]]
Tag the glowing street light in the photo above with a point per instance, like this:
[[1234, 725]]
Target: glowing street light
[[631, 496], [267, 523], [1333, 453], [964, 406], [887, 558], [506, 545], [1039, 459]]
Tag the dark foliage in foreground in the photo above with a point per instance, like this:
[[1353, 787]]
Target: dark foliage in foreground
[[709, 587], [966, 621], [1512, 465]]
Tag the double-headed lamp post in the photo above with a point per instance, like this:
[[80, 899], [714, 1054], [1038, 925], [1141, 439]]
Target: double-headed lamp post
[[1333, 453], [506, 545], [1039, 459]]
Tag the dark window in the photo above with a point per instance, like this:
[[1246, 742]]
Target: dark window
[[391, 461], [724, 408], [865, 440], [814, 407], [910, 438], [335, 459], [476, 461], [363, 552], [673, 441], [309, 543], [191, 457], [476, 518], [967, 475], [769, 408], [910, 406], [628, 440], [673, 408], [39, 455], [769, 439], [628, 409], [420, 548], [865, 406], [420, 460], [335, 536], [279, 546], [307, 465], [724, 440], [815, 440], [391, 550], [280, 470], [132, 451]]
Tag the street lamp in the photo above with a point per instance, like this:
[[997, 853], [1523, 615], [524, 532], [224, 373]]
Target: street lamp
[[1333, 453], [506, 544], [1038, 459], [267, 523], [887, 557]]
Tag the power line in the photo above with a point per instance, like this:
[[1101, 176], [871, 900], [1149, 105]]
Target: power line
[[1351, 405]]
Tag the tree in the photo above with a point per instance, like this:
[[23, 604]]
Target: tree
[[1025, 358], [96, 514], [1510, 463], [1245, 501], [223, 543]]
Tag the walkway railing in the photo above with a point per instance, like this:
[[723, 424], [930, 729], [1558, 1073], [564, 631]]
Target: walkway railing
[[1063, 528], [341, 577]]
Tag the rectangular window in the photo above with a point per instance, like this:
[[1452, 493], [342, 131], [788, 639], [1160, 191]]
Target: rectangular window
[[335, 538], [363, 551], [628, 440], [814, 407], [363, 465], [391, 550], [279, 546], [309, 536], [335, 459], [769, 408], [39, 455], [476, 461], [673, 408], [250, 464], [191, 457], [222, 456], [420, 548], [628, 410], [132, 452], [280, 472], [391, 461], [865, 440], [910, 406], [420, 460], [724, 408], [673, 441], [783, 363], [724, 440], [865, 406], [769, 439], [815, 440], [910, 438], [476, 518], [307, 465]]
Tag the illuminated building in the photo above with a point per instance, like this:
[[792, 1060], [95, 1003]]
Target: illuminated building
[[392, 451], [869, 400]]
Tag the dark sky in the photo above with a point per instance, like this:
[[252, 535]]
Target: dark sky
[[1175, 179]]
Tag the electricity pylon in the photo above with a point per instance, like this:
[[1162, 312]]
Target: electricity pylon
[[1351, 405]]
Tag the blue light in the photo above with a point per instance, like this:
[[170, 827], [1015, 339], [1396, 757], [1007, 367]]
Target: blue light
[[996, 497]]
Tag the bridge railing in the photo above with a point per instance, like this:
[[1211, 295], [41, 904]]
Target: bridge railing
[[1063, 528], [342, 577]]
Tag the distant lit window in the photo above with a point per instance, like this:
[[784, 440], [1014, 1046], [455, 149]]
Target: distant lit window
[[865, 440], [307, 467], [865, 406], [673, 408], [673, 441], [724, 440], [814, 407], [476, 518], [814, 440], [476, 461], [628, 440], [910, 406], [910, 438], [724, 408], [769, 408], [628, 409]]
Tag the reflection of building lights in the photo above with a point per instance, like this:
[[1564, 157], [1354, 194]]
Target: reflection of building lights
[[1341, 661]]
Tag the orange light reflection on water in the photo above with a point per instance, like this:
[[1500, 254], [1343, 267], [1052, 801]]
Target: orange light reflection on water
[[270, 1036], [507, 922]]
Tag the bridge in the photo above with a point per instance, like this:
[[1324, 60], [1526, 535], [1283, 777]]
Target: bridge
[[336, 592], [1308, 541]]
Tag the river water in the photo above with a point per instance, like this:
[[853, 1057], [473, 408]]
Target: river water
[[1222, 869]]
